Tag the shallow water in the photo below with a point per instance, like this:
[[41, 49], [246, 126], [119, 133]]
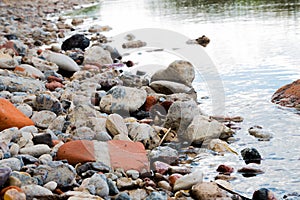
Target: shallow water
[[255, 47]]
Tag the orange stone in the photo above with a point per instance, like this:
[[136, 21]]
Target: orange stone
[[128, 155], [288, 95], [53, 85], [150, 101], [4, 190], [77, 151], [10, 116]]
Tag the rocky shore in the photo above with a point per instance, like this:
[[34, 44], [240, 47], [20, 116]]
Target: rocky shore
[[74, 125]]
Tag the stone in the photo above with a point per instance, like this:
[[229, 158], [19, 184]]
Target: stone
[[260, 133], [36, 150], [32, 191], [97, 185], [168, 87], [138, 194], [263, 194], [180, 170], [225, 169], [21, 178], [28, 70], [57, 125], [187, 181], [42, 119], [145, 134], [84, 133], [125, 183], [180, 115], [173, 178], [157, 196], [98, 28], [203, 40], [10, 116], [14, 194], [75, 41], [160, 167], [251, 155], [113, 189], [4, 175], [250, 170], [44, 65], [122, 99], [150, 101], [203, 128], [288, 95], [220, 146], [164, 154], [64, 62], [96, 55], [44, 101], [134, 174], [164, 185], [133, 44], [51, 185], [7, 62], [14, 149], [208, 191], [123, 196], [44, 138], [179, 71], [13, 163], [53, 85], [115, 125], [45, 158], [25, 109]]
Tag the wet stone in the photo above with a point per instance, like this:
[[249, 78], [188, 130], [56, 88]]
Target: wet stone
[[251, 155], [4, 175]]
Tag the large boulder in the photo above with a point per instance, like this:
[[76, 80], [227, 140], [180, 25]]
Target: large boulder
[[288, 95], [123, 100], [180, 115], [179, 71]]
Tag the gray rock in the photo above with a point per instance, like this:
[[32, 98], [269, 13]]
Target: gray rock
[[84, 133], [144, 133], [123, 196], [157, 196], [57, 124], [131, 80], [44, 65], [187, 181], [13, 83], [32, 191], [7, 62], [164, 154], [81, 114], [180, 115], [122, 99], [115, 125], [25, 109], [179, 71], [202, 128], [7, 135], [138, 194], [13, 163], [47, 102], [97, 185], [30, 71], [134, 174], [4, 175], [23, 179], [113, 189], [96, 55], [43, 119], [168, 87], [36, 150], [102, 136], [52, 185], [64, 62], [260, 133]]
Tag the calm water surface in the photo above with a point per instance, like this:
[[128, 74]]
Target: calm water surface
[[255, 47]]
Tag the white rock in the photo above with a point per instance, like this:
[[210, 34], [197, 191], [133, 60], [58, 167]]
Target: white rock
[[186, 182], [30, 71], [115, 125], [14, 149], [7, 62], [36, 190], [51, 185], [43, 118], [44, 65], [168, 87], [96, 55], [64, 62], [13, 163], [25, 109], [36, 150]]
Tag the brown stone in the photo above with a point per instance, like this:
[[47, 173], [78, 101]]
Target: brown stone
[[77, 151], [10, 116], [173, 178], [150, 101], [288, 95], [53, 85], [225, 169], [128, 155], [208, 191]]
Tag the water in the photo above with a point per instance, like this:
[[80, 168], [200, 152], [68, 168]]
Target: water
[[255, 46]]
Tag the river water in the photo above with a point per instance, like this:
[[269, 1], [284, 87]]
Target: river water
[[255, 47]]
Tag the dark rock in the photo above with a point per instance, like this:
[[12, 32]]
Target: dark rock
[[203, 40], [250, 171], [225, 169], [11, 36], [27, 159], [263, 194], [251, 155], [4, 175], [113, 189], [75, 41], [43, 139]]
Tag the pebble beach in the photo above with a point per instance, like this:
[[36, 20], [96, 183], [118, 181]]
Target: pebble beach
[[74, 125]]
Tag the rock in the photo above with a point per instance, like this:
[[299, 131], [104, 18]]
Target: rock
[[45, 159], [21, 179], [7, 135], [14, 194], [44, 65], [32, 191], [25, 109], [173, 178], [64, 62], [203, 40], [220, 146], [44, 138], [164, 154], [115, 125], [131, 80], [57, 125], [123, 100], [168, 87], [258, 132], [179, 169], [187, 181], [180, 115], [4, 175], [164, 185], [251, 155], [115, 154], [76, 22], [225, 169], [157, 196], [160, 167], [250, 170], [123, 196], [75, 41], [208, 191], [36, 150], [138, 194], [134, 174], [288, 95], [53, 85], [13, 163], [179, 71], [63, 174], [10, 116], [98, 28], [124, 183], [43, 119], [145, 134], [51, 185], [133, 44], [113, 189], [28, 70], [203, 129], [7, 62], [96, 55], [263, 194], [14, 149], [84, 133], [48, 102]]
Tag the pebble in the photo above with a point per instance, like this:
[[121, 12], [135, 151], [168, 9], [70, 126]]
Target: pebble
[[13, 163], [32, 191], [64, 62], [75, 41], [4, 175], [187, 181], [251, 155], [36, 150], [42, 119]]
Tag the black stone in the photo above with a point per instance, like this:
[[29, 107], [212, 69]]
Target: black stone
[[11, 36], [75, 41], [43, 139], [261, 194], [113, 189], [251, 155]]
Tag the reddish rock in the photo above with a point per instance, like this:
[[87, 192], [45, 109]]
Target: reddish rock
[[10, 45], [128, 155], [173, 178], [225, 169], [150, 101], [166, 105], [4, 190], [54, 78], [160, 167], [10, 116], [77, 151], [288, 95], [53, 85]]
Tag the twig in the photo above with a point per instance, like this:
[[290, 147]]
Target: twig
[[164, 137]]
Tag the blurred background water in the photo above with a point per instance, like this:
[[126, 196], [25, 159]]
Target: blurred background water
[[255, 47]]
